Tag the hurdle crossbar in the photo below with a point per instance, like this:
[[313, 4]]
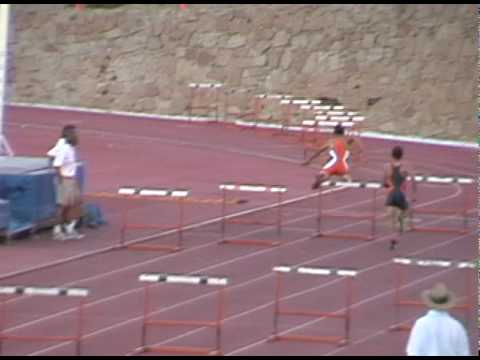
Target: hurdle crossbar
[[181, 279], [14, 291], [179, 195], [195, 88], [463, 212], [254, 114], [280, 271], [400, 263], [278, 189], [323, 107], [371, 217], [343, 119]]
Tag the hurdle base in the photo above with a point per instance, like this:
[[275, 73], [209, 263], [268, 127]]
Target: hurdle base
[[437, 212], [348, 216], [263, 243], [311, 313], [181, 350], [401, 327], [160, 248], [188, 323], [150, 227], [335, 340], [4, 337], [344, 236], [249, 222], [438, 230]]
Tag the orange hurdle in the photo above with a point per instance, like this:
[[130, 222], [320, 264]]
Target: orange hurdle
[[463, 212], [195, 89], [178, 194], [371, 217], [278, 189], [401, 263], [13, 291], [215, 324], [348, 274]]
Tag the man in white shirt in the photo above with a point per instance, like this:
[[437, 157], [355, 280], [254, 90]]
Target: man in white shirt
[[64, 160], [437, 333]]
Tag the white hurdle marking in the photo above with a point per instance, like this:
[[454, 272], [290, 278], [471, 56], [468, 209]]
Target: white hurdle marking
[[205, 86], [28, 290], [184, 279], [254, 188], [132, 191]]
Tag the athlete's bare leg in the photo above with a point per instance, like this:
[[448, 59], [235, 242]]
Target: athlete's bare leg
[[322, 176]]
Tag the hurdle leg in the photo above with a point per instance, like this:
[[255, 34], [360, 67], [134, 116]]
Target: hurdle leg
[[396, 297], [220, 317], [319, 213], [123, 228], [276, 312], [80, 328], [190, 107], [216, 104], [226, 105], [257, 108], [146, 311], [465, 210], [374, 214], [181, 209], [279, 215], [224, 209], [348, 303], [3, 321], [412, 208]]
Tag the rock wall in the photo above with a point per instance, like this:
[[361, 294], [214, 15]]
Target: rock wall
[[418, 61]]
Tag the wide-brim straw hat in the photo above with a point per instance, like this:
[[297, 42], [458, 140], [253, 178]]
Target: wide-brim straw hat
[[439, 297]]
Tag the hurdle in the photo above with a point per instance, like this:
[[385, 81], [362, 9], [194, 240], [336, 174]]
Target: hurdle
[[400, 263], [371, 217], [260, 102], [332, 106], [273, 189], [15, 291], [179, 195], [262, 99], [347, 274], [292, 105], [418, 179], [217, 324], [253, 113], [195, 88]]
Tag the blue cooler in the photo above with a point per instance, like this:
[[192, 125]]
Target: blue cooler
[[4, 214]]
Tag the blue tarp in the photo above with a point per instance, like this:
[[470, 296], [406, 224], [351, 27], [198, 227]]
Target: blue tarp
[[29, 186]]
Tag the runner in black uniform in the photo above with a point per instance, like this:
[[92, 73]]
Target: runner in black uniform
[[395, 177]]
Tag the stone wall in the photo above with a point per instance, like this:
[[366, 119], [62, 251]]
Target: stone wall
[[419, 61]]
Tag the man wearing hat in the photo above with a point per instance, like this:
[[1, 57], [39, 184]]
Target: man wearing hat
[[437, 333]]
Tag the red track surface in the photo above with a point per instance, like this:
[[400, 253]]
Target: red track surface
[[134, 151]]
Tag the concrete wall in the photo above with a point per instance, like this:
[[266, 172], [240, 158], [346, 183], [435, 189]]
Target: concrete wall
[[418, 61]]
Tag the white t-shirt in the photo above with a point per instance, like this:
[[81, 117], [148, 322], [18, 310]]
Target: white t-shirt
[[438, 334], [53, 151], [65, 159]]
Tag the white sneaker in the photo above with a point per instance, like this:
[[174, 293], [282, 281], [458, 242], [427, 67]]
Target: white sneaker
[[74, 235], [59, 236]]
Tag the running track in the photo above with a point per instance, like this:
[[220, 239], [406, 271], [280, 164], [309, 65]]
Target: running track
[[120, 151]]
